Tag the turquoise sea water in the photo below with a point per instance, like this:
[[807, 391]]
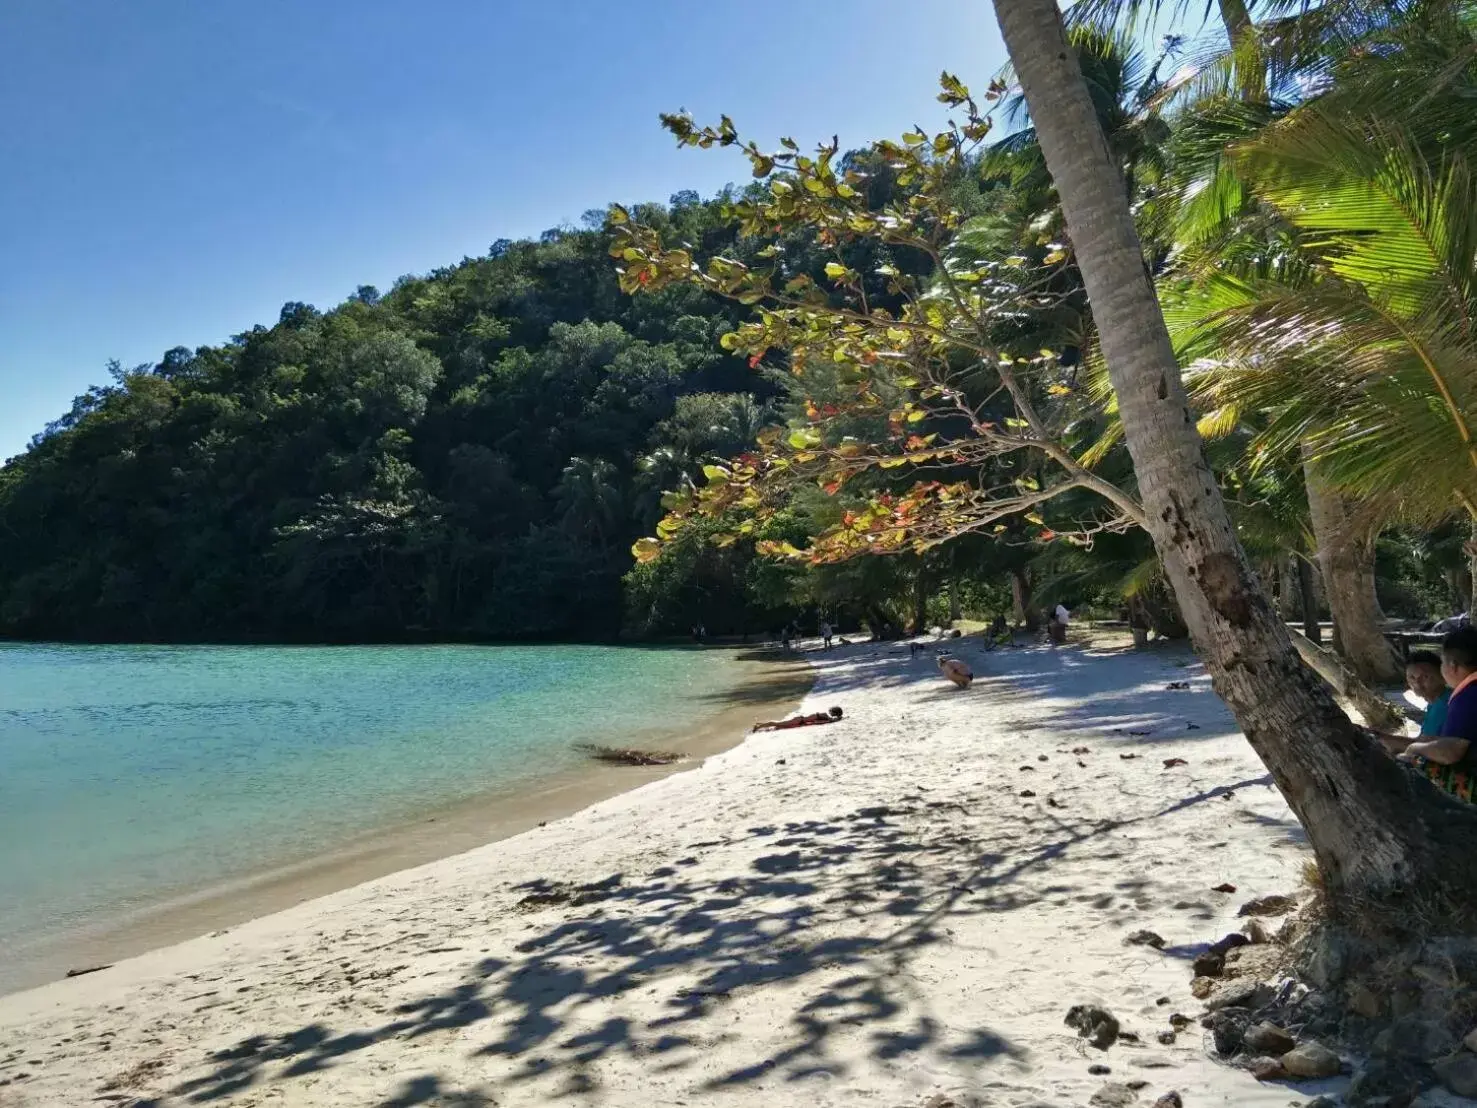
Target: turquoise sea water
[[128, 773]]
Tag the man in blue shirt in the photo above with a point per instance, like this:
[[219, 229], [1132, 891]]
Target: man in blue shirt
[[1450, 759], [1423, 677]]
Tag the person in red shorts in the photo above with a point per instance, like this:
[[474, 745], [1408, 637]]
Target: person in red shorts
[[1450, 760]]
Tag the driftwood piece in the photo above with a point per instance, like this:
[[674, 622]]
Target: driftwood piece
[[620, 756], [88, 969]]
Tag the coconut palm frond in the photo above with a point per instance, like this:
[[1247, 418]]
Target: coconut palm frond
[[1378, 211], [1140, 578], [1363, 389]]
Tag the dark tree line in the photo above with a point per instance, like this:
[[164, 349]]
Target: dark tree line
[[469, 455]]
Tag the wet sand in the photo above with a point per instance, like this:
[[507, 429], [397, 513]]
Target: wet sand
[[772, 687]]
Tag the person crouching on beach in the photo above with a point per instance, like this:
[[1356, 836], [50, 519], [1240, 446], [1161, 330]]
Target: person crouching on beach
[[831, 715], [956, 670]]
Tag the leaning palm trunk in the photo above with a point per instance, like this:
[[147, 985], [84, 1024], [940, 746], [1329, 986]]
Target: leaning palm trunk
[[1376, 711], [1380, 835], [1346, 557], [1308, 595]]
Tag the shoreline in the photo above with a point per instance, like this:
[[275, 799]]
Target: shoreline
[[896, 909], [775, 687]]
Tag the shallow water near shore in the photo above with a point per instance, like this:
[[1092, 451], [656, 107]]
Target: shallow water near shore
[[216, 782]]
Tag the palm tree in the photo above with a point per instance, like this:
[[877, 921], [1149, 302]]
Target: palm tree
[[1219, 223], [589, 499], [1368, 360], [1196, 197], [659, 472], [1123, 85], [1365, 817]]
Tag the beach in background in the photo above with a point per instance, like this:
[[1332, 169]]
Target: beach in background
[[149, 794], [899, 909]]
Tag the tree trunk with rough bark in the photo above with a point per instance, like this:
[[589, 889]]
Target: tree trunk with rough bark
[[1020, 593], [1471, 551], [1281, 571], [1346, 556], [920, 601], [1378, 712], [1308, 593], [1381, 836], [1459, 582]]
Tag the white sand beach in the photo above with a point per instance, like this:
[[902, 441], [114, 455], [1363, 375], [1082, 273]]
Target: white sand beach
[[897, 910]]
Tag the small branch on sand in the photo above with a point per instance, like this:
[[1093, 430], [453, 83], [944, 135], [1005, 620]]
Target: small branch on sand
[[618, 756], [88, 969]]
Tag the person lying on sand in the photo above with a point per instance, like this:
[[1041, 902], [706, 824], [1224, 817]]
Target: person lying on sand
[[956, 670], [829, 716], [1422, 677]]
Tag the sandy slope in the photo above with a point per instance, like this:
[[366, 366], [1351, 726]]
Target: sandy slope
[[863, 914]]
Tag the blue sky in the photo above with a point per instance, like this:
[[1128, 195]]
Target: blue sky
[[175, 170]]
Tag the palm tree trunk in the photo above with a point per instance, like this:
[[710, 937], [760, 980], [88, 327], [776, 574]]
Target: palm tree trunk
[[1378, 712], [1471, 551], [1308, 592], [1020, 593], [1279, 573], [1236, 17], [1380, 835], [920, 601], [956, 604], [1239, 33], [1346, 556]]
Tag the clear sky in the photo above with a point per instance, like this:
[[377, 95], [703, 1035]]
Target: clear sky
[[172, 171]]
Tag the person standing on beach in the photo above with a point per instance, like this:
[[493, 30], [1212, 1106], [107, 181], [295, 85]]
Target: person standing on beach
[[998, 633], [1056, 625]]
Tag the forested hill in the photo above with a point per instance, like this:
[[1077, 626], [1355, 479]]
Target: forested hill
[[469, 455]]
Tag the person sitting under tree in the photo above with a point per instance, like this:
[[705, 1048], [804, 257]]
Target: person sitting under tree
[[1422, 677], [1450, 759]]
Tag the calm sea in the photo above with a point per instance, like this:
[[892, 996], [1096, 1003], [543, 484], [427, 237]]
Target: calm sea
[[130, 773]]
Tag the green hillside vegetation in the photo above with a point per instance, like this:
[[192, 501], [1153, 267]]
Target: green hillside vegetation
[[469, 455], [474, 453]]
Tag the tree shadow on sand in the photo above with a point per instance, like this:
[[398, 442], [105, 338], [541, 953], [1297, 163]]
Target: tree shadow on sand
[[840, 905]]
